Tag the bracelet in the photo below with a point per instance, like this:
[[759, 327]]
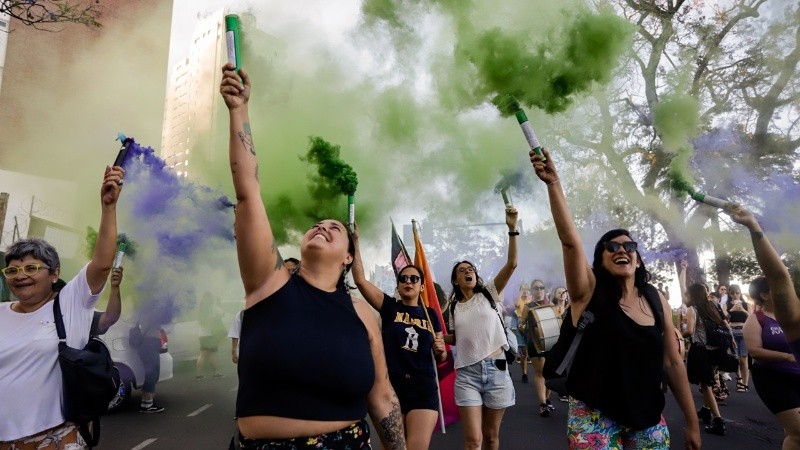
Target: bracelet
[[756, 235], [513, 233], [553, 182]]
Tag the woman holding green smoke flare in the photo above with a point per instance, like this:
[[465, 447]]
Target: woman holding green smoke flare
[[614, 383], [285, 399]]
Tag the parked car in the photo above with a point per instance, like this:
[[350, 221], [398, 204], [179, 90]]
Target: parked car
[[128, 363]]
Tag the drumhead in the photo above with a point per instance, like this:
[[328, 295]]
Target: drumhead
[[544, 328]]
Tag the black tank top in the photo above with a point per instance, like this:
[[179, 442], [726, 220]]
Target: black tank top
[[618, 368], [304, 354]]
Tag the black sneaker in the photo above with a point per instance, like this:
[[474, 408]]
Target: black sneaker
[[717, 426], [544, 411], [704, 414], [524, 377], [151, 409]]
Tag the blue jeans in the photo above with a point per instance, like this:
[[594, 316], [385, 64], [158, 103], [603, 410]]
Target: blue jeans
[[150, 354]]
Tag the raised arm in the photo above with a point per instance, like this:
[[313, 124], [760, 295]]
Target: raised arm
[[682, 280], [505, 272], [580, 278], [382, 403], [258, 254], [784, 297], [106, 246], [371, 293], [675, 370], [114, 308]]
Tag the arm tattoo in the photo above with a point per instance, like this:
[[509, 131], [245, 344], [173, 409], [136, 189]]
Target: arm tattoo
[[391, 427], [247, 139], [279, 260]]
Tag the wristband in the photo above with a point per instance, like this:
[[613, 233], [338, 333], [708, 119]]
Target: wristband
[[513, 233]]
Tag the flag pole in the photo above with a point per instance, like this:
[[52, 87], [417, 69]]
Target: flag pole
[[433, 354]]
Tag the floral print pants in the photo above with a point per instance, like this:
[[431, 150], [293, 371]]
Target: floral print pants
[[589, 429]]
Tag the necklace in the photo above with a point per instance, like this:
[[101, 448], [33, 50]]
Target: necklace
[[641, 302]]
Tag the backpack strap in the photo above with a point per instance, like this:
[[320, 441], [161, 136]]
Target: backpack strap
[[59, 320], [651, 295], [587, 317]]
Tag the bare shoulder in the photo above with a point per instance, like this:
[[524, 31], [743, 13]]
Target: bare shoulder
[[365, 312]]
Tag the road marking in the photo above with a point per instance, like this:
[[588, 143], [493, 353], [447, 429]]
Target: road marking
[[199, 410], [144, 444]]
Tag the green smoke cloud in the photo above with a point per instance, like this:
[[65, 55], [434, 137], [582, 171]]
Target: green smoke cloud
[[676, 119]]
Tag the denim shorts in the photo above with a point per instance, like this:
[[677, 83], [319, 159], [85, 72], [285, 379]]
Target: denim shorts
[[483, 384], [741, 348]]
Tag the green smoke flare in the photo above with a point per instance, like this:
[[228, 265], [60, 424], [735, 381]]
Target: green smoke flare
[[554, 72], [334, 176], [676, 119], [91, 241]]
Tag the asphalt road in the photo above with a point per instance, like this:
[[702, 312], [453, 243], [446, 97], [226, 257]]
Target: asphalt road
[[199, 416]]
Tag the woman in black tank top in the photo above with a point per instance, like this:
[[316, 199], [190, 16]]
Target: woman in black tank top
[[328, 416], [615, 379], [412, 337]]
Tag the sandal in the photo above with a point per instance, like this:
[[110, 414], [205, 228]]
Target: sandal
[[741, 387]]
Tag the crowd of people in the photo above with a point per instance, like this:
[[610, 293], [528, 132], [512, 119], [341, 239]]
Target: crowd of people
[[378, 357]]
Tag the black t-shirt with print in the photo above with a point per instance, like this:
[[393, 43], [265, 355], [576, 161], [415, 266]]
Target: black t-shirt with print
[[407, 339]]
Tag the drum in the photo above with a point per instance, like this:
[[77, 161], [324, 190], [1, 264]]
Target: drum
[[544, 327], [681, 343]]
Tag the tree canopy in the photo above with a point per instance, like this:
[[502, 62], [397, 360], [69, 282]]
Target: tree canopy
[[37, 13]]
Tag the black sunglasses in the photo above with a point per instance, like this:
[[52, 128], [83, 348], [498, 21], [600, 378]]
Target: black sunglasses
[[413, 279], [612, 246]]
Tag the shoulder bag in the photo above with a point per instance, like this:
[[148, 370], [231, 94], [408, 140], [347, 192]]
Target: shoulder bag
[[88, 381]]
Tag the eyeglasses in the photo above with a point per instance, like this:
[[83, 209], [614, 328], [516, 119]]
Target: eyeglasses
[[28, 269], [466, 270], [613, 246], [538, 288], [413, 279]]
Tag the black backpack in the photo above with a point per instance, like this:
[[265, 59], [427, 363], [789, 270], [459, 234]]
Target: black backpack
[[88, 379]]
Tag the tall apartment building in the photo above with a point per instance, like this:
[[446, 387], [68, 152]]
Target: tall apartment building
[[195, 127], [193, 101], [5, 26], [34, 67], [36, 60]]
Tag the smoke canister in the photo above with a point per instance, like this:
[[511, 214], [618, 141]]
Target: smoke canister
[[504, 193], [123, 151], [709, 200], [527, 130], [120, 253], [351, 212], [232, 39]]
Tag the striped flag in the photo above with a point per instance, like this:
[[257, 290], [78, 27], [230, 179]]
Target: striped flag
[[400, 256]]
